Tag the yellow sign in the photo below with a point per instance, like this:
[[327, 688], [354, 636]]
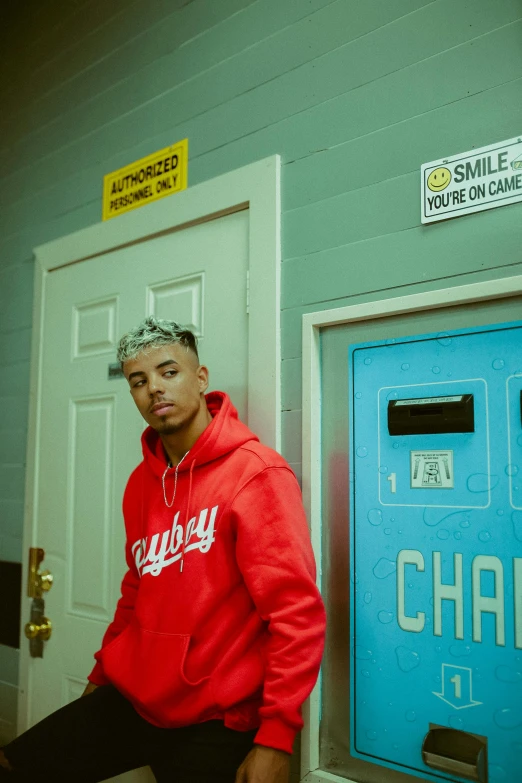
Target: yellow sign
[[146, 180]]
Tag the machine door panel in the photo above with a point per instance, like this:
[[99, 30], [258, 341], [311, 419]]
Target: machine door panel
[[436, 453]]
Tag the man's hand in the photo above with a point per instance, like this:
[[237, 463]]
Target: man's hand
[[89, 688], [264, 765]]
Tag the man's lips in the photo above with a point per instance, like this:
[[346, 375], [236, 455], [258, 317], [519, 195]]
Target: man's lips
[[161, 408]]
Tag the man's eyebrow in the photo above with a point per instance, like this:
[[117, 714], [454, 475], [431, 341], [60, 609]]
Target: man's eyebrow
[[163, 364]]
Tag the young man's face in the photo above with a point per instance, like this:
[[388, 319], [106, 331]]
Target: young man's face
[[167, 385]]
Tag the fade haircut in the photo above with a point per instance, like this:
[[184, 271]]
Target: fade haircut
[[151, 333]]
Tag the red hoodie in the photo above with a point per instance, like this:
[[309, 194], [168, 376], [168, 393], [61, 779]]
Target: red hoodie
[[220, 616]]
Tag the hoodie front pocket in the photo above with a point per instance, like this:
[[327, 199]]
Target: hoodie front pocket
[[148, 669]]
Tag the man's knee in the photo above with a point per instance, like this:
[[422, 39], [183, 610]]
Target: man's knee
[[3, 761]]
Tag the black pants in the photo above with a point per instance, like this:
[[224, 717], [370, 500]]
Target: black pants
[[101, 735]]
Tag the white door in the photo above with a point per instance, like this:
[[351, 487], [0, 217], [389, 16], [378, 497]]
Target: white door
[[88, 428]]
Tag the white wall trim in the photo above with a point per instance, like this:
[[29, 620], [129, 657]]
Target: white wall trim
[[311, 428], [256, 188]]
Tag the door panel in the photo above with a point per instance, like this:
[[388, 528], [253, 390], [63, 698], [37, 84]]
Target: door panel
[[88, 426]]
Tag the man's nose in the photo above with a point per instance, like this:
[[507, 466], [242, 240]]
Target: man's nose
[[156, 384]]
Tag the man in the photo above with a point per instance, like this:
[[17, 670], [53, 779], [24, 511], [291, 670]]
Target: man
[[218, 635]]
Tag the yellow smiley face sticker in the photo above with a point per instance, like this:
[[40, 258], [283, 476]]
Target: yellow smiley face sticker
[[439, 179]]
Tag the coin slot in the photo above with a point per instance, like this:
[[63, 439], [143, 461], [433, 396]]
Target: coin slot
[[456, 753]]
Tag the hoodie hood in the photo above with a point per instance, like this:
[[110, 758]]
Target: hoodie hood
[[224, 434]]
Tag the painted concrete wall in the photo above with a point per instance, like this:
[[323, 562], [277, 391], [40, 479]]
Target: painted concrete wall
[[353, 94]]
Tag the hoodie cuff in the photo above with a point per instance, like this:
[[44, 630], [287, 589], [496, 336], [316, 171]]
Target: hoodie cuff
[[97, 676], [274, 733]]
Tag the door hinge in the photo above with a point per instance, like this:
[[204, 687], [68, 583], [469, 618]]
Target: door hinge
[[248, 291]]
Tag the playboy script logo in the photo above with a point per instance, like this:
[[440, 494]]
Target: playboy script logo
[[164, 552]]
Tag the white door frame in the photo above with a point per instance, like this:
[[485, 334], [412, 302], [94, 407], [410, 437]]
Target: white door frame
[[255, 188], [312, 325]]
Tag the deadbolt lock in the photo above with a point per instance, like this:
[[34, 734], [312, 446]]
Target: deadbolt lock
[[46, 580], [42, 631], [38, 582]]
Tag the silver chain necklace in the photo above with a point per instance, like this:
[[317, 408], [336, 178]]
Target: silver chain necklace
[[169, 505]]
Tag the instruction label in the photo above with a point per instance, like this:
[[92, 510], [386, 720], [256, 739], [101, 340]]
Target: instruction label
[[146, 180], [431, 469], [429, 400], [472, 181]]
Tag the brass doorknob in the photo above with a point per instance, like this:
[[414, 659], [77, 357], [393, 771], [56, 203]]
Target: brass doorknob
[[42, 631]]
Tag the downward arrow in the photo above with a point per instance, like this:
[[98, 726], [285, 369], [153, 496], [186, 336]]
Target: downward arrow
[[457, 687]]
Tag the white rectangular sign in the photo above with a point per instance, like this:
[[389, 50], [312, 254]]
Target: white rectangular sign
[[472, 181], [431, 469]]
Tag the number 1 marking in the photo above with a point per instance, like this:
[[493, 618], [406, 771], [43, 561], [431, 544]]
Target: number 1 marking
[[392, 478], [456, 680]]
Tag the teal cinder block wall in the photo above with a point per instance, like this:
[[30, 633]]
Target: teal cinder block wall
[[353, 94]]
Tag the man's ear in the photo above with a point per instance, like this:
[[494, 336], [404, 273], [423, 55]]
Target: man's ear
[[202, 373]]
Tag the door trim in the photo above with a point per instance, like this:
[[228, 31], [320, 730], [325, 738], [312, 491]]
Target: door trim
[[312, 324], [255, 188]]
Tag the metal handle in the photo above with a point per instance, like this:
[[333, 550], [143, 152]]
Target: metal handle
[[456, 753], [42, 631], [39, 629]]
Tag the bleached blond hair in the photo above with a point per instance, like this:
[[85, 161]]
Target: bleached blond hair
[[151, 333]]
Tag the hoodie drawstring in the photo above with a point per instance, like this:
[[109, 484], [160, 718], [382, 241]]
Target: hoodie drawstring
[[185, 526], [169, 465]]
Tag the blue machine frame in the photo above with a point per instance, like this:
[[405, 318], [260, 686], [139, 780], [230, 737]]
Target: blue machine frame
[[436, 551]]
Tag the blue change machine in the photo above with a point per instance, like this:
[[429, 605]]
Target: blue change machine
[[436, 611]]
